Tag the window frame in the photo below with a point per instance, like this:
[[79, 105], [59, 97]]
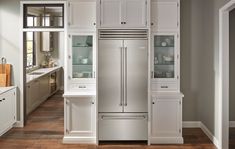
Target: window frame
[[33, 51]]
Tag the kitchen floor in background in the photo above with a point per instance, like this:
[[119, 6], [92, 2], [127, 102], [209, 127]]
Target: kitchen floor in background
[[231, 138], [45, 126]]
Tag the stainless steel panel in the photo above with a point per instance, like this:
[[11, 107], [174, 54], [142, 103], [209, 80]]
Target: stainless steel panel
[[123, 34], [136, 84], [123, 126], [109, 76]]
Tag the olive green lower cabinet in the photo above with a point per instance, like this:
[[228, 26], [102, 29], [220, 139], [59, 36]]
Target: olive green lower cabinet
[[166, 118], [80, 118]]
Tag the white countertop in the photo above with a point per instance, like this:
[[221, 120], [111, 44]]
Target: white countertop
[[44, 71], [5, 89]]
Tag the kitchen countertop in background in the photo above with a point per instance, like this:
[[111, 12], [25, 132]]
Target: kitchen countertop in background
[[44, 71]]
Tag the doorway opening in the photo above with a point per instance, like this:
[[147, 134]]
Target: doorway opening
[[43, 45]]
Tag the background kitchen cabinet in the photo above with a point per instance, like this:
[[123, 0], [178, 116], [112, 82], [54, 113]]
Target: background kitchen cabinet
[[123, 13], [80, 119], [32, 96], [166, 118], [7, 110], [82, 14], [165, 15], [44, 88]]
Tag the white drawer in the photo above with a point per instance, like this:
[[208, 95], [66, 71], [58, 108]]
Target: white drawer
[[80, 87], [166, 86]]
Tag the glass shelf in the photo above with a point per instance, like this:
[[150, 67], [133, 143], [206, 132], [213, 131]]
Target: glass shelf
[[162, 64], [164, 46], [82, 64], [82, 46]]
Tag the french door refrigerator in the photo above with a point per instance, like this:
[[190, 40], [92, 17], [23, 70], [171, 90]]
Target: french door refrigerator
[[122, 85]]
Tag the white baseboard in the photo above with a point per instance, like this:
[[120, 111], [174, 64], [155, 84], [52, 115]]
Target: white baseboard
[[167, 140], [199, 124], [191, 124], [210, 135], [79, 140], [232, 124], [18, 124]]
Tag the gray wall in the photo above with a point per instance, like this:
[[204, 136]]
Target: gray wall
[[191, 45], [209, 66], [231, 66]]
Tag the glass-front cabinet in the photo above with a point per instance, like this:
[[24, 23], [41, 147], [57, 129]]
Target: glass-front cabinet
[[165, 61], [82, 57]]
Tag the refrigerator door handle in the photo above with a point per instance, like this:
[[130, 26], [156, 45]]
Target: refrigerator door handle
[[125, 76], [121, 86]]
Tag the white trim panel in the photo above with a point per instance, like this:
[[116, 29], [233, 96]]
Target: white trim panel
[[79, 140]]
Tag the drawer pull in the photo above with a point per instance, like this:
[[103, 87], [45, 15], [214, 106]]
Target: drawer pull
[[81, 86], [164, 86], [123, 117]]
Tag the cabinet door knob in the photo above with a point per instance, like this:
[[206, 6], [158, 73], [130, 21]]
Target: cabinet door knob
[[3, 99], [92, 102], [121, 22], [124, 22], [94, 23], [153, 103], [152, 24]]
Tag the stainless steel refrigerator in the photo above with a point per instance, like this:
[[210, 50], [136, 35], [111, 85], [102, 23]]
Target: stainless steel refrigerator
[[122, 85]]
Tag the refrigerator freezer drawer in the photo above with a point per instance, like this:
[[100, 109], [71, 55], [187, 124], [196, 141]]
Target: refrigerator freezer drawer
[[123, 126]]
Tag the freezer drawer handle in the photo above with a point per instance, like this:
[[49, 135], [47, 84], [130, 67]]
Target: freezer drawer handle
[[164, 86], [140, 117]]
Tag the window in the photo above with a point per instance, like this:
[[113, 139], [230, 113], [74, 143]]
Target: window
[[30, 47], [44, 16]]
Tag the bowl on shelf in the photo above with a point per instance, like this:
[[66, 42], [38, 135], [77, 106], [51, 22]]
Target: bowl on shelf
[[168, 58], [78, 75], [84, 61]]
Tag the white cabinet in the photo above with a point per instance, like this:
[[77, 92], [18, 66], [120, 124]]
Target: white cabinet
[[80, 120], [166, 119], [165, 62], [32, 96], [7, 110], [81, 61], [123, 13], [165, 15], [44, 87], [82, 14]]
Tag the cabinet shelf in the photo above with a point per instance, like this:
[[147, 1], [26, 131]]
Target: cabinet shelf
[[162, 64], [82, 64], [82, 46], [164, 46]]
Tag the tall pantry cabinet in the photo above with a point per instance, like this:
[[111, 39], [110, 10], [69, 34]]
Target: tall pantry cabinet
[[80, 87], [166, 105]]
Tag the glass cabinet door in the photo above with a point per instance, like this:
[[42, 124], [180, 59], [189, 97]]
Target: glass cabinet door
[[164, 56], [82, 56]]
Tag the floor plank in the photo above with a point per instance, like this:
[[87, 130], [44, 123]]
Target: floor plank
[[44, 130]]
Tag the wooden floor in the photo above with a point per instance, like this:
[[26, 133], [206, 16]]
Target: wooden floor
[[44, 130]]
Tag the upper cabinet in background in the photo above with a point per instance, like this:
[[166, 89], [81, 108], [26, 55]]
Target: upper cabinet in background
[[165, 15], [82, 14], [123, 13]]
